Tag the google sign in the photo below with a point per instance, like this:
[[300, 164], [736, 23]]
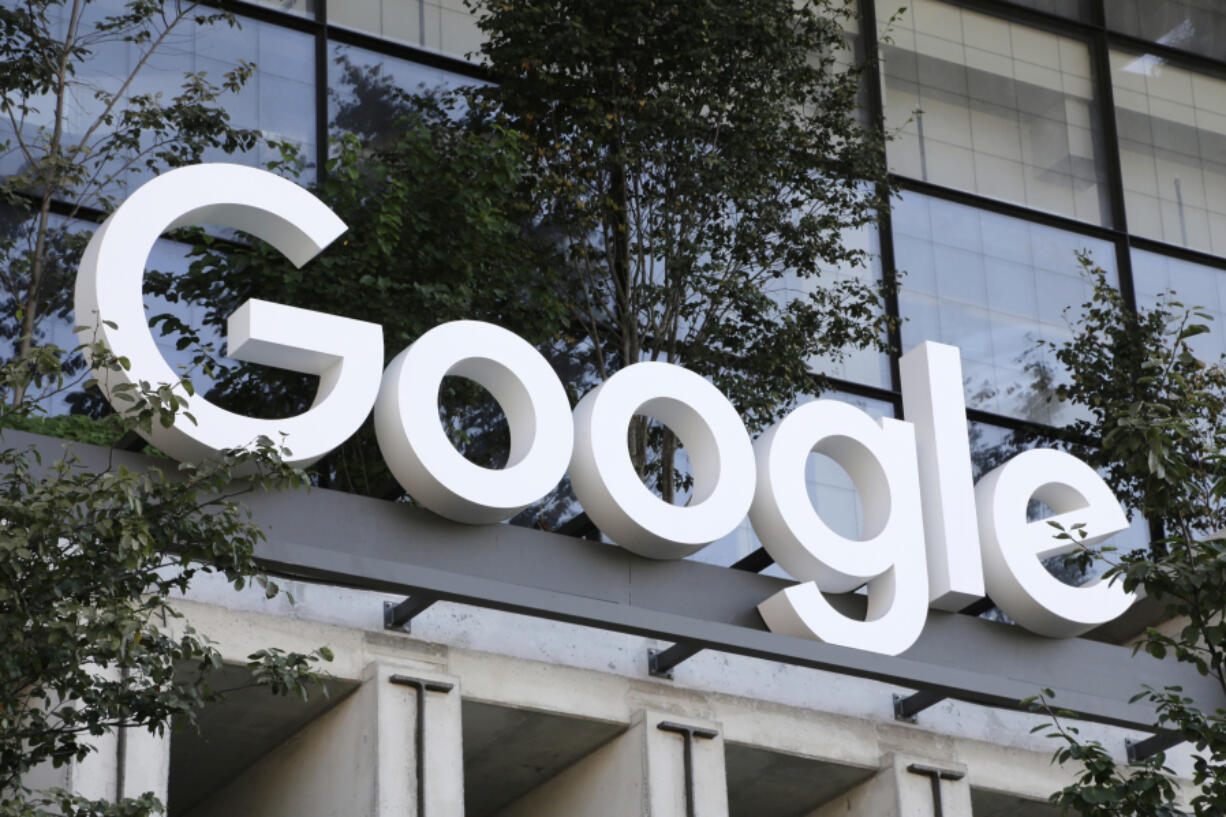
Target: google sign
[[932, 537]]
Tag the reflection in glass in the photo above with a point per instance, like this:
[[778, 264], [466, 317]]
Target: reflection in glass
[[992, 446], [1198, 26], [1077, 9], [830, 489], [995, 108], [868, 366], [440, 25], [56, 323], [994, 286], [1172, 126], [278, 100], [364, 88], [305, 8], [1194, 285]]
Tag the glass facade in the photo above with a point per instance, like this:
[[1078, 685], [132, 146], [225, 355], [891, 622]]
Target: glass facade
[[1076, 9], [1024, 131], [1161, 279], [278, 100], [1172, 127], [993, 107], [439, 25], [359, 81], [1196, 26], [830, 488], [995, 286]]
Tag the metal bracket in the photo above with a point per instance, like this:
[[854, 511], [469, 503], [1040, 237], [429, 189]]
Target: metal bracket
[[421, 686], [755, 562], [660, 663], [398, 616], [688, 733], [1140, 750], [906, 707], [935, 775]]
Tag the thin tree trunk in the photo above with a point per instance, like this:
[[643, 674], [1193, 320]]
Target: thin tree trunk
[[31, 303]]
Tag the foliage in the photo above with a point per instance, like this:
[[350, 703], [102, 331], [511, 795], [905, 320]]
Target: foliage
[[1155, 418], [436, 232], [71, 144], [90, 558], [702, 163]]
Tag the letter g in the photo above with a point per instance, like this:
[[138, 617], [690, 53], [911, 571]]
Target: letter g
[[346, 354]]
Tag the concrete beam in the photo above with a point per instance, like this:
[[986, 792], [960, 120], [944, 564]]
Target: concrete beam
[[359, 758], [904, 788], [640, 773], [390, 547]]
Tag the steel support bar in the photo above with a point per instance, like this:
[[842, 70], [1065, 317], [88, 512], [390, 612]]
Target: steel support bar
[[393, 548], [688, 733], [908, 706], [398, 616], [421, 686], [1140, 750], [755, 562], [660, 663], [935, 775]]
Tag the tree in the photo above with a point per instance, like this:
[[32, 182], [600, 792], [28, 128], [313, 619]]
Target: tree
[[90, 560], [71, 145], [1154, 429], [702, 163], [437, 232]]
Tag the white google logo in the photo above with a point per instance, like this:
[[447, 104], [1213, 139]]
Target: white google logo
[[932, 537]]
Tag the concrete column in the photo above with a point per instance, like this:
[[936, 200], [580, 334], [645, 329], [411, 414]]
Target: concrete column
[[899, 791], [125, 763], [443, 760], [359, 758], [640, 773], [144, 763], [121, 766]]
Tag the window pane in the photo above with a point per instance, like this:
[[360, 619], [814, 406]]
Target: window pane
[[362, 84], [1198, 26], [306, 8], [867, 366], [440, 25], [278, 100], [1077, 9], [1194, 285], [1172, 125], [992, 446], [830, 489], [993, 286], [995, 108]]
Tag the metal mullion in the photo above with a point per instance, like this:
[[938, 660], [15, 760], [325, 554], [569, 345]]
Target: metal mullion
[[321, 90], [1007, 208], [1006, 421], [411, 53], [1180, 59], [1104, 93], [1175, 251], [885, 229], [1035, 18], [266, 14], [881, 393]]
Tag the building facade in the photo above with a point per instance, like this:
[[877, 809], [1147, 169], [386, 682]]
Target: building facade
[[1024, 133]]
